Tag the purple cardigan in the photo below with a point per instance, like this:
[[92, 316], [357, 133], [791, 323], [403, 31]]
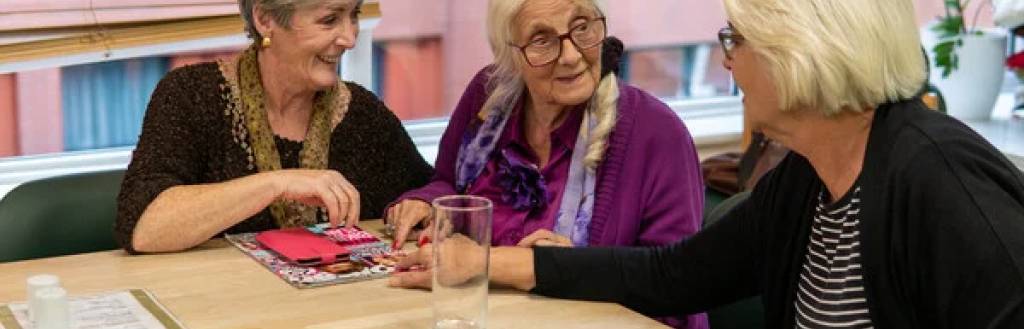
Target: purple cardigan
[[649, 188]]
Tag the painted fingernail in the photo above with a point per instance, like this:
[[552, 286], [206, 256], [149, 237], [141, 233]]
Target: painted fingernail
[[397, 245], [423, 240]]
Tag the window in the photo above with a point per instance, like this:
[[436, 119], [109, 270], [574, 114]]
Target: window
[[409, 77], [418, 58], [104, 103], [378, 69], [436, 47], [680, 72]]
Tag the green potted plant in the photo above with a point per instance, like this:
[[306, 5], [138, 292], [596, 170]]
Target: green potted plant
[[948, 29], [967, 61]]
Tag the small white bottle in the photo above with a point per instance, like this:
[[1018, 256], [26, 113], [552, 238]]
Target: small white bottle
[[52, 309], [35, 284]]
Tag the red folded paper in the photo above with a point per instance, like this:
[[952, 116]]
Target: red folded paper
[[302, 247]]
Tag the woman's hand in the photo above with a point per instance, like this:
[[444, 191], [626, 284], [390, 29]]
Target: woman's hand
[[462, 259], [545, 238], [322, 188], [404, 216]]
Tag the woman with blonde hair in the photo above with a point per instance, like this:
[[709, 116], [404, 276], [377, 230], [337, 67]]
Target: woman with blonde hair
[[885, 215], [270, 139]]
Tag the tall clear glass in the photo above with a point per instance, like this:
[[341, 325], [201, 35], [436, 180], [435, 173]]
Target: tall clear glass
[[461, 239]]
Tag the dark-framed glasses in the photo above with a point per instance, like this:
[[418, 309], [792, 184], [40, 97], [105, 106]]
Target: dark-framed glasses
[[546, 49]]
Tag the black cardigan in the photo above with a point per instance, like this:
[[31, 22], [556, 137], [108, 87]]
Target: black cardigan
[[942, 238]]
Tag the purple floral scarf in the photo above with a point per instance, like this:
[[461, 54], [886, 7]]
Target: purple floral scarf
[[522, 184]]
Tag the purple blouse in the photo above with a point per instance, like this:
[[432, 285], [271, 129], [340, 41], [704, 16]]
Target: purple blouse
[[511, 225]]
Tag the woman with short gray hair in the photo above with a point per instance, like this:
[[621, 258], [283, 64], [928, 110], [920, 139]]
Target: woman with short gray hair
[[271, 139]]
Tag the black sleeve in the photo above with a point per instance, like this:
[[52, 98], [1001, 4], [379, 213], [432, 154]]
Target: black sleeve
[[964, 205], [170, 148], [718, 265], [396, 164]]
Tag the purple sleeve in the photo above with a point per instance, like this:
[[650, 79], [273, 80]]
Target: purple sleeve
[[443, 182], [674, 187]]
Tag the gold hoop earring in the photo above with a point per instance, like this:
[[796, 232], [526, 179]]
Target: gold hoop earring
[[266, 42]]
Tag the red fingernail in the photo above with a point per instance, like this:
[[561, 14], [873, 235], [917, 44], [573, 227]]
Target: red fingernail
[[397, 245], [423, 240]]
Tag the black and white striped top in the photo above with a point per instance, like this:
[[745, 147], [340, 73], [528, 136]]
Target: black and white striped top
[[831, 289]]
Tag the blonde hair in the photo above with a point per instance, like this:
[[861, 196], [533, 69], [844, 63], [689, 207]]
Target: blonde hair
[[280, 11], [507, 85], [834, 55]]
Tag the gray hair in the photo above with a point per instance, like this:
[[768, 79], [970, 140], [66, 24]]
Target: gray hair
[[506, 80], [280, 10]]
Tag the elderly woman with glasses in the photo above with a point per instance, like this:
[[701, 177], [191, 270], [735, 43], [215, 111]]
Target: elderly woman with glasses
[[885, 215], [569, 155]]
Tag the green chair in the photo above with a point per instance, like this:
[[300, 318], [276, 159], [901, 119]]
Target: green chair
[[723, 207], [712, 199], [744, 314], [59, 216]]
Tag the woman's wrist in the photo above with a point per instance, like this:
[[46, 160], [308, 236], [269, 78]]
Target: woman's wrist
[[270, 181], [513, 267]]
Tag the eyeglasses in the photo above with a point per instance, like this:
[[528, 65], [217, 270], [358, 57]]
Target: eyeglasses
[[729, 40], [546, 50]]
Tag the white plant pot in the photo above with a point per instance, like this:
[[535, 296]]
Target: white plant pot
[[972, 89]]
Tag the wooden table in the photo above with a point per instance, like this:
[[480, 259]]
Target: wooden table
[[216, 286]]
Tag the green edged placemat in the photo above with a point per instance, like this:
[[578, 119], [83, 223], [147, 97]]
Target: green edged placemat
[[159, 312], [146, 300], [7, 320]]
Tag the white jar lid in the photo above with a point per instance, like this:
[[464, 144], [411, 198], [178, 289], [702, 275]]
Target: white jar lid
[[43, 280]]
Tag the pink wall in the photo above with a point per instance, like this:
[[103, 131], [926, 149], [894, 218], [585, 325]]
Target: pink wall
[[413, 86], [658, 72], [40, 117], [8, 117], [461, 23], [404, 19], [928, 10], [652, 23], [465, 47]]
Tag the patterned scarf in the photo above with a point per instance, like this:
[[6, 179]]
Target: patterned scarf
[[250, 118], [576, 209]]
